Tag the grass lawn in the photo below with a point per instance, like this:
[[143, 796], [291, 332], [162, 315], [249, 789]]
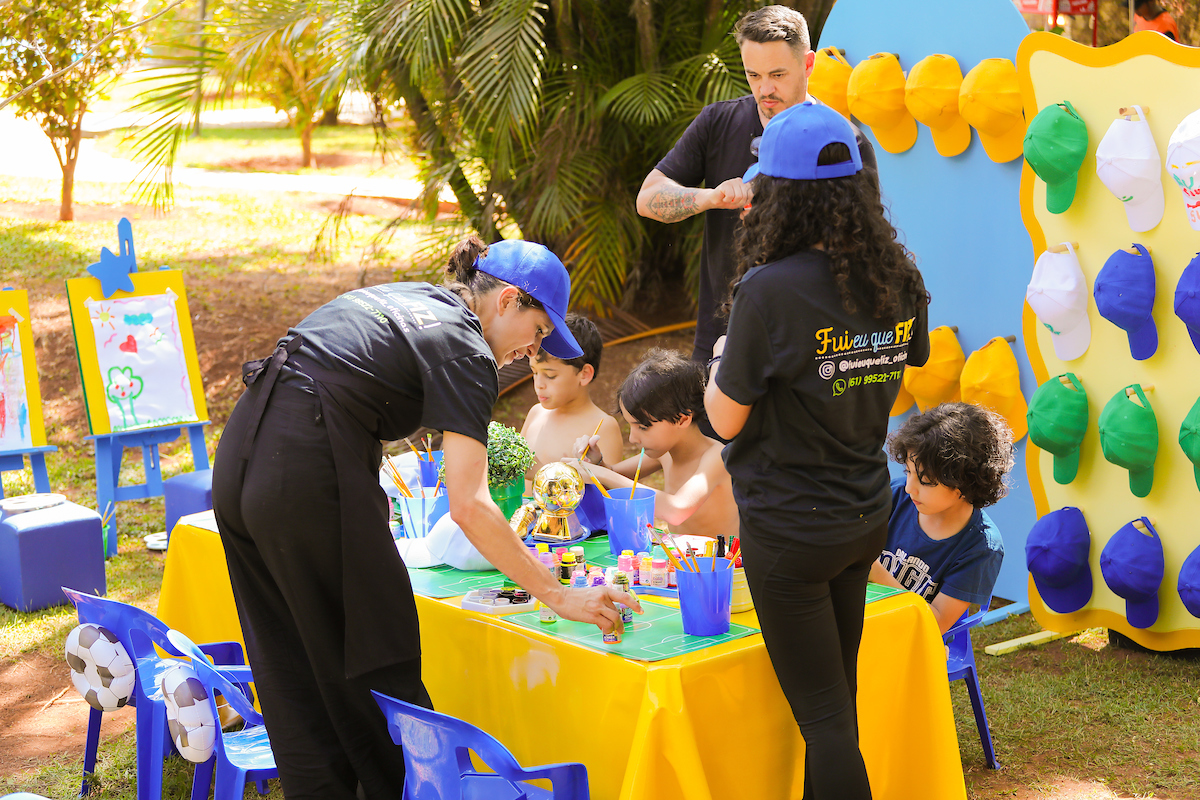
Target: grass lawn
[[1077, 718], [338, 150]]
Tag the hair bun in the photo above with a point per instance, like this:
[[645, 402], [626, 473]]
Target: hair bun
[[461, 265]]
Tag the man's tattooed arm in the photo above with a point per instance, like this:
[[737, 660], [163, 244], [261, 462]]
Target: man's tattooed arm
[[672, 203]]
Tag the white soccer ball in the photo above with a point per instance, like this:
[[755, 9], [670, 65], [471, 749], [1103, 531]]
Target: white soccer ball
[[101, 670], [190, 717]]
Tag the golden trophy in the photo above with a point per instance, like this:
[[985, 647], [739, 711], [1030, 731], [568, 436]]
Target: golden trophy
[[557, 490]]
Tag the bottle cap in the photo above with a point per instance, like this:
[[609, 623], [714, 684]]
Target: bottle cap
[[660, 563], [568, 558]]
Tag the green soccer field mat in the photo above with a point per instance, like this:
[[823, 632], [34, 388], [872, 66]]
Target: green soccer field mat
[[653, 636]]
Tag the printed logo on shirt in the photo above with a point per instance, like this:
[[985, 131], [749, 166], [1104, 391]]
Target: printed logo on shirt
[[911, 571], [404, 312], [882, 353]]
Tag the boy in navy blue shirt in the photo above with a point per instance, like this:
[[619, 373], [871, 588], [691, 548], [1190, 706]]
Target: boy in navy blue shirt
[[940, 543]]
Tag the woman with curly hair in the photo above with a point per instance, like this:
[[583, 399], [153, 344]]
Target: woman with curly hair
[[826, 309], [940, 543]]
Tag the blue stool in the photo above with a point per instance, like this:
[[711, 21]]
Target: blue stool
[[189, 493], [46, 549]]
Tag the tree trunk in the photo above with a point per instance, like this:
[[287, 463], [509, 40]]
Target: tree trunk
[[306, 160], [70, 156], [329, 117], [66, 210], [647, 48]]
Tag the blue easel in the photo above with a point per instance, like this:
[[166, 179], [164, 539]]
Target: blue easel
[[14, 460], [113, 272]]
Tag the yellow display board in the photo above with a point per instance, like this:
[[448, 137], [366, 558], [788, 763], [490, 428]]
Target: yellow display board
[[137, 353], [21, 424], [1164, 78]]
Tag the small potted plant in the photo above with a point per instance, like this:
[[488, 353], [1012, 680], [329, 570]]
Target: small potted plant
[[509, 458]]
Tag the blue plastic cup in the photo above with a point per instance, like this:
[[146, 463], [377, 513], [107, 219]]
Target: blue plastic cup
[[705, 597], [591, 512], [420, 514], [429, 469], [628, 518]]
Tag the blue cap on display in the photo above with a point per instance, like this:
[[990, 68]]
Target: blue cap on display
[[1187, 300], [1124, 292], [795, 137], [1056, 553], [1132, 565], [1189, 583], [539, 272]]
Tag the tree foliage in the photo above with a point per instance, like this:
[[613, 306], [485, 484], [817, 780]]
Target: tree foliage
[[40, 38], [542, 117]]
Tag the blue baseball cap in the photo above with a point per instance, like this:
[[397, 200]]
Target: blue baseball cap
[[794, 138], [532, 267], [1056, 553], [1187, 300], [1132, 565], [1189, 583], [1125, 297]]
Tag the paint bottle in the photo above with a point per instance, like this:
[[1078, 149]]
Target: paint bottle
[[622, 582], [547, 560], [610, 574], [624, 563], [645, 569], [565, 568], [542, 547], [709, 551], [658, 574], [546, 613], [596, 577], [671, 584], [580, 557], [579, 580], [612, 638]]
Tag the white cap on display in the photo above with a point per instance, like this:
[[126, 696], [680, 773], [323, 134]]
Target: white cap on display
[[1128, 164], [1058, 294], [1183, 162]]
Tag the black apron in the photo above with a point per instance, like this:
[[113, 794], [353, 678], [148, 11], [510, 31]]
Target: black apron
[[380, 612]]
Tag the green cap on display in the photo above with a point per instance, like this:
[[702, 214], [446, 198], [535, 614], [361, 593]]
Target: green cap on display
[[1189, 439], [1129, 437], [1056, 142], [1058, 419]]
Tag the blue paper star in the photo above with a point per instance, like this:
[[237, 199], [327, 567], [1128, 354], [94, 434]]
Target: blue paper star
[[113, 271]]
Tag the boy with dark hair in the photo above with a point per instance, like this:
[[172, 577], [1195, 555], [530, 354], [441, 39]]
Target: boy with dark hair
[[662, 399], [565, 410], [940, 543]]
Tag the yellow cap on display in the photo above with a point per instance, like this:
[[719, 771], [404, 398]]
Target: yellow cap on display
[[931, 96], [904, 401], [875, 95], [990, 101], [990, 379], [830, 75], [937, 381]]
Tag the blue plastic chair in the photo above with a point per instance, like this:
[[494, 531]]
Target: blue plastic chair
[[437, 760], [960, 664], [239, 755], [139, 632]]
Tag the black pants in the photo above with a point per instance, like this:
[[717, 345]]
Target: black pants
[[278, 514], [810, 604]]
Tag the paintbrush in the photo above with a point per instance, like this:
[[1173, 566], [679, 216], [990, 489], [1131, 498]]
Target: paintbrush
[[658, 541], [428, 446], [600, 486], [589, 444], [397, 478], [637, 473], [683, 554], [416, 452]]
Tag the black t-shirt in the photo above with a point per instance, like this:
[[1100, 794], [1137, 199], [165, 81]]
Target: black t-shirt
[[416, 349], [713, 149], [809, 463]]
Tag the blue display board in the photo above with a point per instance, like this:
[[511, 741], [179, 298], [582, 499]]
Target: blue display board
[[961, 215]]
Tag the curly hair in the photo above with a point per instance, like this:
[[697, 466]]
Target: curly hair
[[846, 218], [959, 445]]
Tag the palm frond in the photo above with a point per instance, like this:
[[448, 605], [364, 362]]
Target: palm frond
[[645, 99]]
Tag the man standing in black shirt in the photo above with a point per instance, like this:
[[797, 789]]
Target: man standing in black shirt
[[721, 144]]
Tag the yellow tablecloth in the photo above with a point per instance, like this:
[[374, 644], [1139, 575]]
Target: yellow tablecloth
[[712, 724]]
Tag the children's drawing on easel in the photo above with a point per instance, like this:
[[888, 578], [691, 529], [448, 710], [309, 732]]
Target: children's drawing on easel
[[14, 406], [21, 426], [141, 359], [133, 337]]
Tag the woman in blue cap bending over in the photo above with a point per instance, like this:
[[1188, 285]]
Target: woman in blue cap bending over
[[324, 599], [826, 310]]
